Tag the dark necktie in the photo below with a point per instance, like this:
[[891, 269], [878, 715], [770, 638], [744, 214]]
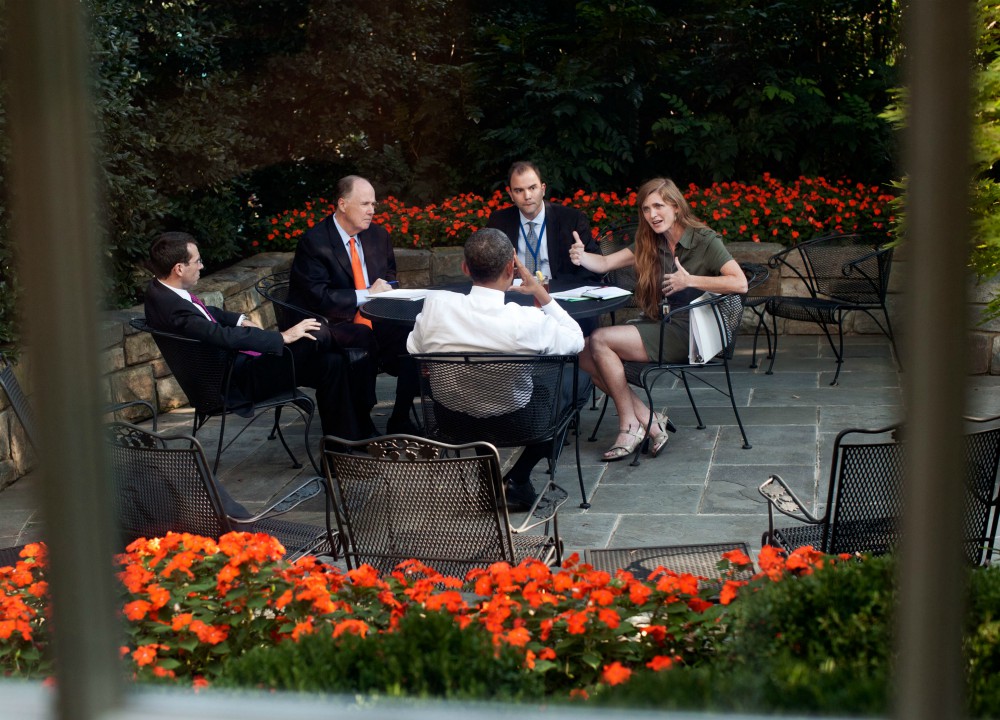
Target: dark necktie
[[532, 250]]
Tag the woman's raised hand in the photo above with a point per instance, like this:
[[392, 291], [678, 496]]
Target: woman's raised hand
[[576, 250]]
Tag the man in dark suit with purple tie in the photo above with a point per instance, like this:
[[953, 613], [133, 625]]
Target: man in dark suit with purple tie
[[170, 306], [338, 265]]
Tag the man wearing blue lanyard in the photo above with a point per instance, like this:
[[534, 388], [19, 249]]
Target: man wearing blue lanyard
[[542, 232]]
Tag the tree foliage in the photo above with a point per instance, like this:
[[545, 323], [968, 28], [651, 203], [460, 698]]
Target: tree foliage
[[211, 115]]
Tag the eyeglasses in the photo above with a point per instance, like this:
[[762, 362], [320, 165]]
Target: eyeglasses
[[197, 261]]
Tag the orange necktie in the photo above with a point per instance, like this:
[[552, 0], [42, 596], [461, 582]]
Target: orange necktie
[[359, 281]]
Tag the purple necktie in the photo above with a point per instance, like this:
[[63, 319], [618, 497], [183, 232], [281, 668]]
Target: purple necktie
[[197, 301]]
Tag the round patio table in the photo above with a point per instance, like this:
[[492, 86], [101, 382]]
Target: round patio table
[[399, 311]]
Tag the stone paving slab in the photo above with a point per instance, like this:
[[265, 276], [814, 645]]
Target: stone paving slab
[[701, 489]]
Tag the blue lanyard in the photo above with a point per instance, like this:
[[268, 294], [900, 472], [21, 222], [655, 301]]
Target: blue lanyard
[[538, 245]]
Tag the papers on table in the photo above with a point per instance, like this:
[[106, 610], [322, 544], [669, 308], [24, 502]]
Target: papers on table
[[403, 294], [591, 292]]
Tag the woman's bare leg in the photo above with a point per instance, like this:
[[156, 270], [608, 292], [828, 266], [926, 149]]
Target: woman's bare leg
[[606, 349]]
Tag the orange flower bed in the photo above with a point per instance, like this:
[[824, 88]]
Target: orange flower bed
[[189, 601], [765, 210]]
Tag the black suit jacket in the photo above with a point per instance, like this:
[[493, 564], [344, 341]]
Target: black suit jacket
[[168, 311], [560, 222], [321, 277]]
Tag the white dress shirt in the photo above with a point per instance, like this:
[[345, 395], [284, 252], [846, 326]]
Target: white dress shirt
[[482, 322]]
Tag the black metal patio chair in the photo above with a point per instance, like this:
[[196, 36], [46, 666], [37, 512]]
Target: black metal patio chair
[[162, 483], [205, 374], [727, 312], [399, 497], [508, 400], [842, 274], [864, 501]]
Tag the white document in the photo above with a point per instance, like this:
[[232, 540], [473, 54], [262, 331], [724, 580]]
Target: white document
[[608, 292], [590, 292], [402, 294], [573, 293], [705, 340]]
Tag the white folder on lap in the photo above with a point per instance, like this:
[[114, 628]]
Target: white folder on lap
[[705, 340]]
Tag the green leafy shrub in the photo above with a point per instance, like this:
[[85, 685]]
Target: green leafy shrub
[[429, 655]]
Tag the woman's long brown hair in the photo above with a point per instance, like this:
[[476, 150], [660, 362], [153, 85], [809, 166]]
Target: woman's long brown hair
[[648, 270]]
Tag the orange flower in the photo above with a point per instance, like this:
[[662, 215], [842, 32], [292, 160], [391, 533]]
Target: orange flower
[[615, 673], [660, 662], [145, 654], [547, 653], [356, 627], [729, 591], [137, 609], [518, 637]]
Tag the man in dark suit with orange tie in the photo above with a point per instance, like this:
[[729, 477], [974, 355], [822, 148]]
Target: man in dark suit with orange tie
[[338, 265], [259, 371]]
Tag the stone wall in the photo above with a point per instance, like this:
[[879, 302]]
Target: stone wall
[[136, 370]]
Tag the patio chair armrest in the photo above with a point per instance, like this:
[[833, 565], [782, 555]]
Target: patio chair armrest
[[780, 258], [851, 265], [306, 491], [544, 509], [715, 299], [780, 497]]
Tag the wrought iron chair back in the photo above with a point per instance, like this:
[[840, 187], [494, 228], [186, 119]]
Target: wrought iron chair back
[[275, 288], [865, 495], [842, 274], [400, 497], [162, 484], [18, 400], [205, 374], [507, 400], [727, 311], [615, 239]]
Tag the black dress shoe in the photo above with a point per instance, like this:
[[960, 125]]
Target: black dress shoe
[[404, 426], [520, 496]]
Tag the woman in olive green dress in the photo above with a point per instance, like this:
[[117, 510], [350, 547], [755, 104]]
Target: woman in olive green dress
[[677, 258]]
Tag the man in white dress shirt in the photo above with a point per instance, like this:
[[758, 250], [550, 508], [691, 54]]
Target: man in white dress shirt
[[483, 322]]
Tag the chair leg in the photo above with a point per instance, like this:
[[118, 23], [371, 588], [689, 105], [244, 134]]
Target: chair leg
[[840, 351], [584, 504], [218, 452], [892, 339], [276, 429], [597, 425], [694, 406], [767, 334], [295, 461], [774, 351], [736, 412]]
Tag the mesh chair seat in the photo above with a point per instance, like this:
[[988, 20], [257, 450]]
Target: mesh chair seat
[[701, 560], [205, 374], [865, 496], [162, 484], [876, 536], [409, 497], [10, 555], [842, 274], [507, 400]]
